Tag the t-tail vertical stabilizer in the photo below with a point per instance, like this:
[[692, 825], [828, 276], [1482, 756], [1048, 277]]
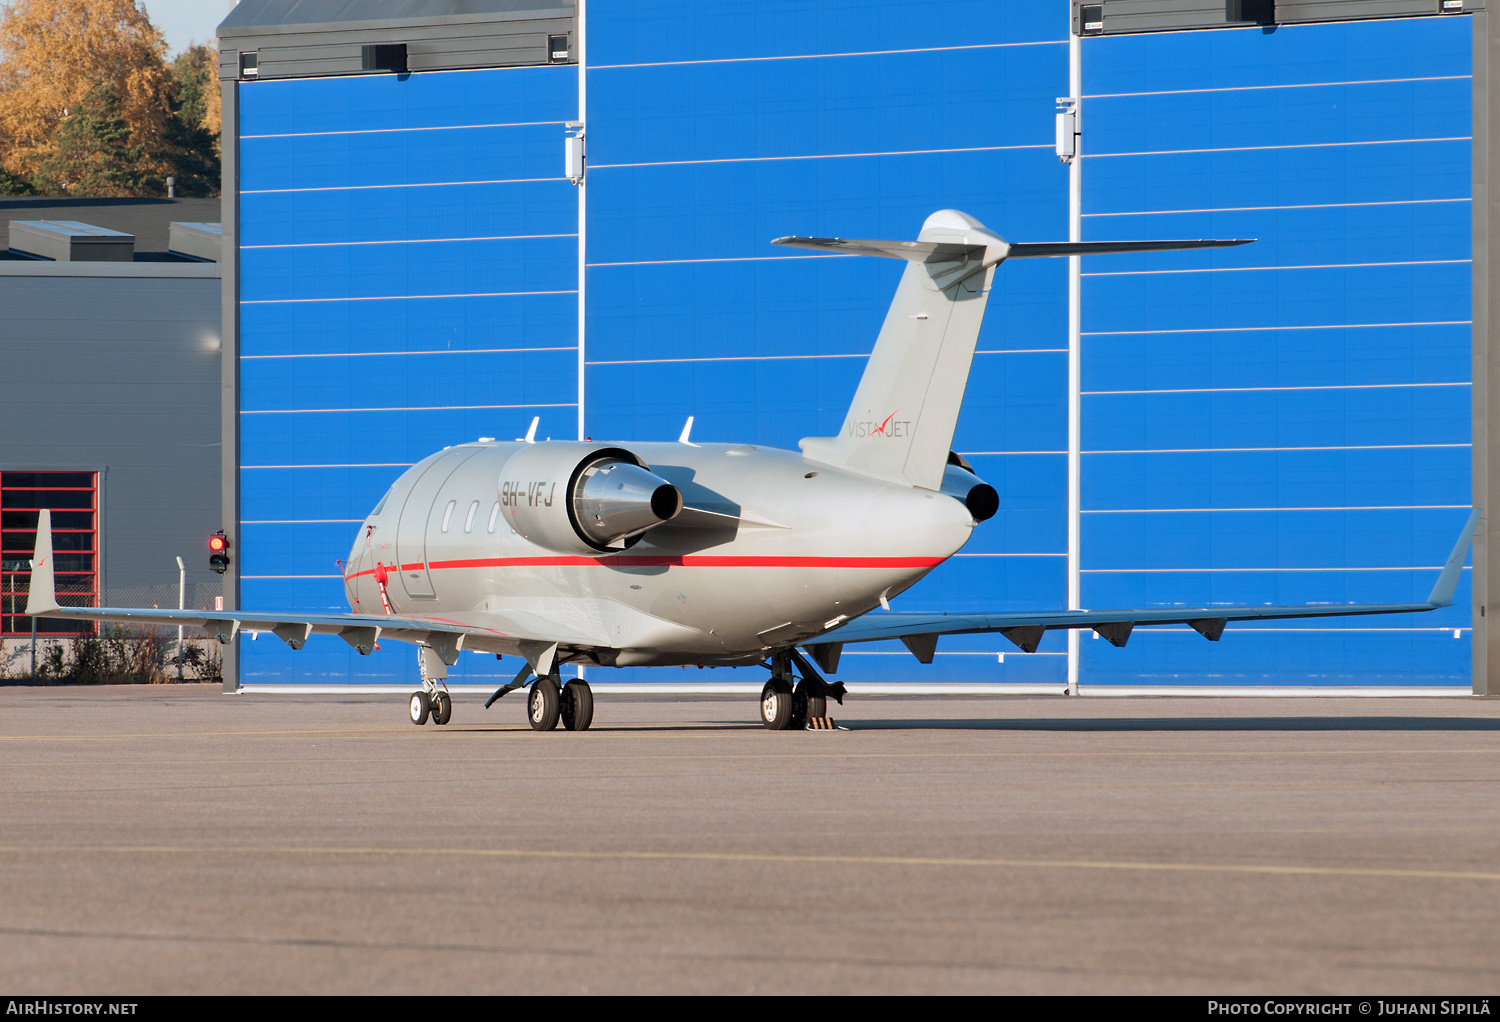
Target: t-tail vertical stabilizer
[[900, 426]]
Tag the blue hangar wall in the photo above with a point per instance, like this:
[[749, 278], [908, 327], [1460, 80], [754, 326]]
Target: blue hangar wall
[[409, 280], [1285, 422]]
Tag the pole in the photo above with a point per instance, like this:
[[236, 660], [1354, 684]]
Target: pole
[[181, 598], [1075, 359], [583, 222], [583, 121]]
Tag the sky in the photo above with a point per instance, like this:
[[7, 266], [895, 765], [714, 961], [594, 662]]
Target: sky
[[184, 22]]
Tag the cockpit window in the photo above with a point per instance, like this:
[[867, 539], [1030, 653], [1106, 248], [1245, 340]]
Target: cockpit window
[[381, 506]]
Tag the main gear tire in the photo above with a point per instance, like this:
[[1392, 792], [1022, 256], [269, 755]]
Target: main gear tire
[[442, 708], [776, 705], [577, 709], [543, 705]]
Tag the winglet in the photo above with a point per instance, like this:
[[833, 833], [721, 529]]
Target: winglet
[[1442, 593], [42, 596]]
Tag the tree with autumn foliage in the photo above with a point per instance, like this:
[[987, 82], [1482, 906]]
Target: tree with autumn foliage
[[89, 106]]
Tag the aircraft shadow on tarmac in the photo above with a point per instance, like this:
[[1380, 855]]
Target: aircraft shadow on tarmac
[[1407, 723]]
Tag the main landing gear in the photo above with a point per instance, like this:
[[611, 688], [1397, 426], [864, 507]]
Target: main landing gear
[[786, 703], [549, 702]]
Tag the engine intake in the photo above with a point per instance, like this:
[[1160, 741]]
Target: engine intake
[[582, 497]]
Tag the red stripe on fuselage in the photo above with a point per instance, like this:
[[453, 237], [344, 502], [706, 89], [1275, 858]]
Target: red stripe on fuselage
[[684, 561]]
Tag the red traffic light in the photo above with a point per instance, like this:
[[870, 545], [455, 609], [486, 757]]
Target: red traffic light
[[218, 545]]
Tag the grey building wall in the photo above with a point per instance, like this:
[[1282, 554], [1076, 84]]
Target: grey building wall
[[300, 38], [114, 367]]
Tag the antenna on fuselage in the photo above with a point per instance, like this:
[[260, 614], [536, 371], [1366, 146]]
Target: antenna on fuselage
[[687, 430], [530, 437]]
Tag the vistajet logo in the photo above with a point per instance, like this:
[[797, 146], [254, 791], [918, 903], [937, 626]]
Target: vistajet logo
[[889, 428]]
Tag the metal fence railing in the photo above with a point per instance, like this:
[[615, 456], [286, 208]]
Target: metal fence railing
[[117, 654]]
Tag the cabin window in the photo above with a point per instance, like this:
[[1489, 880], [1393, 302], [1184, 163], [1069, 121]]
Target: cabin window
[[448, 513], [469, 521], [494, 513]]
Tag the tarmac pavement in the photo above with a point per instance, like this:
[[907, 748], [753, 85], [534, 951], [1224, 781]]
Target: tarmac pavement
[[170, 839]]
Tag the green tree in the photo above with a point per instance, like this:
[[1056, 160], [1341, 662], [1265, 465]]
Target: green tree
[[93, 153], [56, 122], [12, 185], [193, 128]]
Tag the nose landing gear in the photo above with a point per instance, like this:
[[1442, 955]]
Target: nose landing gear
[[430, 701]]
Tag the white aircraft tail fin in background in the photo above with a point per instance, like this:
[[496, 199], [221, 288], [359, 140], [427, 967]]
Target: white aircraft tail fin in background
[[901, 424], [41, 597]]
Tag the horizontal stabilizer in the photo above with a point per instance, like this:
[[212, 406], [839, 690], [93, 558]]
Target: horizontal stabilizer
[[911, 251], [1036, 250], [944, 252]]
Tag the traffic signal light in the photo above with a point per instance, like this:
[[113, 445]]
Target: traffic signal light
[[218, 552]]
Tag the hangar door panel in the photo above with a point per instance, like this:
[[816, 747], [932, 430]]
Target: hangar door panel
[[408, 282], [411, 533]]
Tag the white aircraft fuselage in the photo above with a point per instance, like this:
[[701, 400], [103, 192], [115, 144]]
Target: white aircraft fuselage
[[768, 549]]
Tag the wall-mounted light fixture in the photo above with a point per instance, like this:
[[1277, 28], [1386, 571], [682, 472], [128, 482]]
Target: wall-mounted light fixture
[[573, 155]]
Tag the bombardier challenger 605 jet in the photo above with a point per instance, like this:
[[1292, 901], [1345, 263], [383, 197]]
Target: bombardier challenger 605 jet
[[615, 554]]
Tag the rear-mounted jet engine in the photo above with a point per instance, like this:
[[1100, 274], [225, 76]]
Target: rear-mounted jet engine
[[583, 498], [962, 483]]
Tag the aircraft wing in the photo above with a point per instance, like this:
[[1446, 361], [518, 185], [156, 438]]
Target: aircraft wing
[[513, 633], [1025, 628]]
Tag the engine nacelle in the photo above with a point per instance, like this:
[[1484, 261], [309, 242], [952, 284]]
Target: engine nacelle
[[583, 498], [964, 485]]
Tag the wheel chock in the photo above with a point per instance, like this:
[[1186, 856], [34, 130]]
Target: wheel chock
[[823, 724]]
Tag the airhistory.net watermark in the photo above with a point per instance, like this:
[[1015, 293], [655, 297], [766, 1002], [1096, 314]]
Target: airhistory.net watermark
[[46, 1006]]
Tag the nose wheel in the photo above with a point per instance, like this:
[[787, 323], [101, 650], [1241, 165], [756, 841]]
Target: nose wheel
[[438, 706], [431, 700]]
